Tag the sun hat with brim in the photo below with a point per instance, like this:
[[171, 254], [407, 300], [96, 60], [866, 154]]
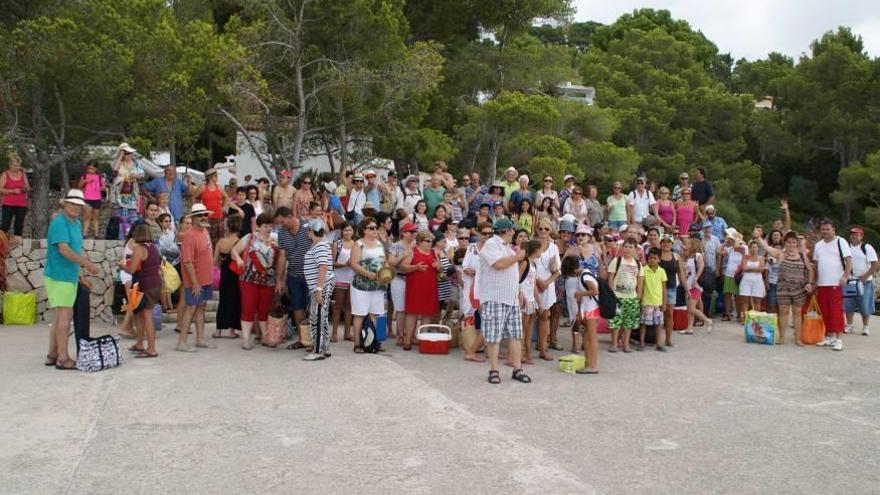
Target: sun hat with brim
[[126, 148], [411, 178], [584, 229], [368, 206], [501, 225], [210, 172], [566, 226], [316, 225], [198, 209], [567, 178], [75, 196], [509, 170], [357, 178], [330, 187], [710, 208], [369, 173], [731, 232]]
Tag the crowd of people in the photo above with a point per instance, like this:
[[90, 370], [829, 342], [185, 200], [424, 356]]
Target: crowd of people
[[507, 257]]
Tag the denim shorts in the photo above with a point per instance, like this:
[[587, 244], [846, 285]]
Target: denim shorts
[[863, 305], [196, 297], [771, 295], [616, 224], [672, 295], [297, 293]]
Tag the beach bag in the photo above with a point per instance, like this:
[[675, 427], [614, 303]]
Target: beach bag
[[276, 327], [607, 300], [761, 328], [813, 327], [571, 363], [157, 317], [304, 332], [170, 278], [100, 353], [369, 343], [19, 308], [468, 334]]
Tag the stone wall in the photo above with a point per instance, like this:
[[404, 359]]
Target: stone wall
[[24, 273]]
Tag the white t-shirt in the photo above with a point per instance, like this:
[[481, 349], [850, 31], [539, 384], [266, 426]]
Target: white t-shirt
[[827, 258], [641, 204], [861, 262], [734, 258]]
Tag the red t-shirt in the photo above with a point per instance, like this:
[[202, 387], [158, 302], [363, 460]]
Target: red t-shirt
[[197, 250]]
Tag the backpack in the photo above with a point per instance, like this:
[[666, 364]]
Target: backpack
[[112, 232], [369, 343], [607, 300]]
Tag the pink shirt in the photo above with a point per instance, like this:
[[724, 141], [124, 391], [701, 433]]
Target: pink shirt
[[196, 249], [92, 185], [17, 199]]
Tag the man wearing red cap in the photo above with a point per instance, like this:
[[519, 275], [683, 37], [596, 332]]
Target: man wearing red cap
[[864, 264]]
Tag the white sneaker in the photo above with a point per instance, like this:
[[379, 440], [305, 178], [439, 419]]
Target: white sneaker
[[848, 329], [829, 341], [313, 357], [865, 331], [838, 345]]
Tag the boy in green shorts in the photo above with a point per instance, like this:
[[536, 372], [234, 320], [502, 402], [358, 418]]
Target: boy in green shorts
[[653, 299], [625, 277]]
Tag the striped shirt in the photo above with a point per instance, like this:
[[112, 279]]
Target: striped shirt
[[319, 254], [295, 246]]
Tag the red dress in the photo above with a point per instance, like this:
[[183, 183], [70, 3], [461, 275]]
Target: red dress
[[421, 287]]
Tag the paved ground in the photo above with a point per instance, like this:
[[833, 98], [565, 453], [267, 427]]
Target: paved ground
[[714, 415]]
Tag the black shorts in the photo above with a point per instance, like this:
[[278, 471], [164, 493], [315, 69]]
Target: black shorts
[[94, 203]]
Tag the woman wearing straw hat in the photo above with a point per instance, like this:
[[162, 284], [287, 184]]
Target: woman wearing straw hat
[[63, 261], [125, 192]]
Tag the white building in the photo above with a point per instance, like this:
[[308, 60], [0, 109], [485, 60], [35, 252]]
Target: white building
[[574, 92]]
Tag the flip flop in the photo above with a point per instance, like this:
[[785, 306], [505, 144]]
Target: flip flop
[[68, 365], [146, 355], [587, 371], [50, 361], [135, 348], [475, 359], [294, 346]]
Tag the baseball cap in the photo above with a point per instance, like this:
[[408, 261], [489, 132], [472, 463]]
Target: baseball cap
[[567, 178], [855, 229], [501, 225], [316, 225], [566, 226], [710, 207], [707, 224], [410, 227]]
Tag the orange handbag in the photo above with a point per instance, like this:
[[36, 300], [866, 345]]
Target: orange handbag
[[813, 327]]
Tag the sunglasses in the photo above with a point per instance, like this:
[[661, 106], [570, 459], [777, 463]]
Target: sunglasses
[[685, 193], [371, 227], [616, 187], [486, 234], [425, 240], [544, 229], [582, 235], [464, 238], [307, 183], [682, 178]]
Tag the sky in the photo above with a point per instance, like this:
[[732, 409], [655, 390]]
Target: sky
[[754, 28]]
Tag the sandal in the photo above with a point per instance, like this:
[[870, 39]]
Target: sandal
[[521, 376], [216, 335], [145, 354], [587, 371], [358, 350], [547, 357], [494, 377], [70, 364], [475, 359], [527, 361], [612, 350], [135, 348], [50, 360], [294, 346]]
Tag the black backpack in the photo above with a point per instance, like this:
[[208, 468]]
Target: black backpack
[[369, 343], [112, 232], [607, 300]]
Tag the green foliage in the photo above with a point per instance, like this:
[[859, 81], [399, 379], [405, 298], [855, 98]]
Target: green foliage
[[602, 163], [861, 182]]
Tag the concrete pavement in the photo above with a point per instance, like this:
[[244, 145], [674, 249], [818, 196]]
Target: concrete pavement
[[713, 415]]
